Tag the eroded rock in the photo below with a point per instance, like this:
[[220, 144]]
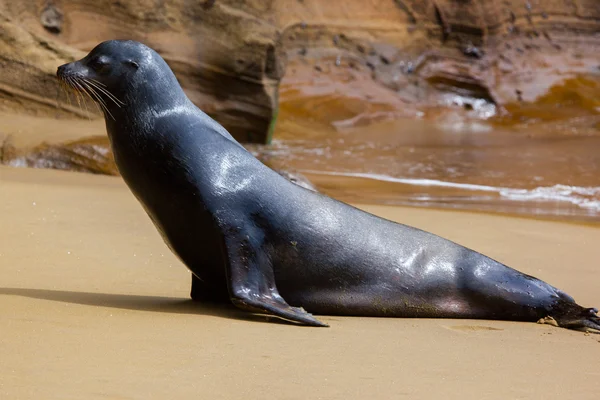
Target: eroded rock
[[52, 18], [225, 53], [90, 155]]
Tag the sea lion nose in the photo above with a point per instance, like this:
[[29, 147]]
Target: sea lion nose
[[63, 70]]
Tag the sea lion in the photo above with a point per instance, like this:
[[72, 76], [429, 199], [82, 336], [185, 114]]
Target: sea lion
[[252, 237]]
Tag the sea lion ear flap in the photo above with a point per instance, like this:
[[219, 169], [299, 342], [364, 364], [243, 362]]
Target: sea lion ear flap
[[132, 64]]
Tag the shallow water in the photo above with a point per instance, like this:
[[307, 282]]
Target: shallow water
[[539, 159]]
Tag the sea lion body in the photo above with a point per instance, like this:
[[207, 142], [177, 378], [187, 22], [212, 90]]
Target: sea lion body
[[252, 237]]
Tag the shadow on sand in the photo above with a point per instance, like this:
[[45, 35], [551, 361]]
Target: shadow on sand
[[172, 305]]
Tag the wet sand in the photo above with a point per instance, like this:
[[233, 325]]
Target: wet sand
[[94, 306]]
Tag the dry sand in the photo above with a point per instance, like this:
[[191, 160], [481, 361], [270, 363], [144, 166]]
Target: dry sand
[[94, 306]]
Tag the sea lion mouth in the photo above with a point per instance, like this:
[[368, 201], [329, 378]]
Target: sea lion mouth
[[95, 90]]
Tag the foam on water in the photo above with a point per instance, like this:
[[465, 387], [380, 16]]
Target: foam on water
[[584, 197]]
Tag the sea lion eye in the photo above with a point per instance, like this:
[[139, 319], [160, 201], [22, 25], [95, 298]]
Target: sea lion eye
[[98, 64], [132, 64]]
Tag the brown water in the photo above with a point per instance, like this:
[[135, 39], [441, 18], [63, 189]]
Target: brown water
[[539, 159]]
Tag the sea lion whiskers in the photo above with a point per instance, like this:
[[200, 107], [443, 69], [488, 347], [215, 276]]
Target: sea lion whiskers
[[79, 85], [102, 87], [82, 86], [72, 84], [65, 89], [98, 98], [93, 92]]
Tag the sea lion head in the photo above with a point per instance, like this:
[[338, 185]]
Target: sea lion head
[[118, 74]]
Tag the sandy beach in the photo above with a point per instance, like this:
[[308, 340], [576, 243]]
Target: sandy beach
[[94, 306]]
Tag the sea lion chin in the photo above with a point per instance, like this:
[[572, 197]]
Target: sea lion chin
[[253, 238]]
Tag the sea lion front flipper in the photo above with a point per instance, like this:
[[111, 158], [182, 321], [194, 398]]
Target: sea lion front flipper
[[276, 305], [251, 280]]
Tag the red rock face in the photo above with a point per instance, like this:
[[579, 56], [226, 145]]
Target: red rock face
[[418, 55]]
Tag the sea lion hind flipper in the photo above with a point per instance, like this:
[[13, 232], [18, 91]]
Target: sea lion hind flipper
[[251, 281], [573, 316]]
